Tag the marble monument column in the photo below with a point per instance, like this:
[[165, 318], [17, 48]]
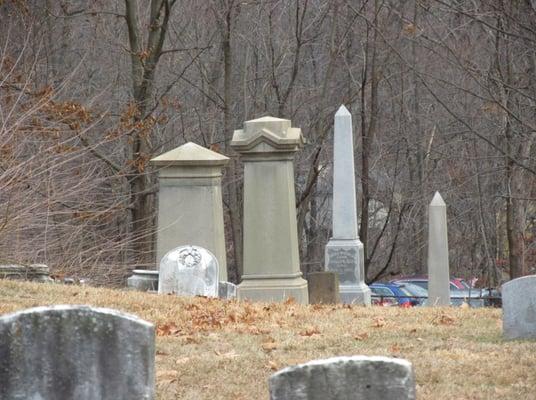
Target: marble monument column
[[271, 258], [438, 253], [190, 210], [344, 251]]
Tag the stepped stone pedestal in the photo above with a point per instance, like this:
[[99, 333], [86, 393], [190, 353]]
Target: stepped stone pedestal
[[190, 210], [344, 251], [271, 259]]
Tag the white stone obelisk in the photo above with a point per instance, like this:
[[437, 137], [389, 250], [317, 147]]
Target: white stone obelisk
[[438, 253], [344, 251]]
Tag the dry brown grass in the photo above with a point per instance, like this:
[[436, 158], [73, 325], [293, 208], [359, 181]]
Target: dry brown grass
[[212, 349]]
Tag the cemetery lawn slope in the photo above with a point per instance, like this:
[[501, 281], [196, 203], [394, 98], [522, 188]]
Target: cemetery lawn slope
[[213, 349]]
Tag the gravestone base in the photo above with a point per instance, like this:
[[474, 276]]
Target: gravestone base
[[355, 294], [144, 280], [227, 290], [270, 289], [345, 256]]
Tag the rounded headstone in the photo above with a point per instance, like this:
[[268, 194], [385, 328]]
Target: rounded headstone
[[519, 308], [76, 352], [344, 378], [189, 271]]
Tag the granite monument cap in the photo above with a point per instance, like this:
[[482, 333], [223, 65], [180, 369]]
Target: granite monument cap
[[190, 154], [277, 133]]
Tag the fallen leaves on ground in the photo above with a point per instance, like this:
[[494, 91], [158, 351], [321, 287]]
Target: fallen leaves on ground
[[379, 322], [269, 344], [310, 331], [443, 319]]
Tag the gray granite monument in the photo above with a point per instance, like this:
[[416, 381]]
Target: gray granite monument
[[76, 352], [344, 251], [345, 378], [438, 254], [189, 271], [519, 308], [271, 258], [190, 207]]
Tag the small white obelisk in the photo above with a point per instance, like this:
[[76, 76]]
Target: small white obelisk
[[344, 251], [438, 253]]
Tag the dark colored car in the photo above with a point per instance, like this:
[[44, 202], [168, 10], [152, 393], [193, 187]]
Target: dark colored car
[[389, 294], [420, 294], [473, 297]]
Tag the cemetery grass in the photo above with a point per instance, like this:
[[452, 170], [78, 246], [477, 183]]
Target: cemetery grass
[[214, 349]]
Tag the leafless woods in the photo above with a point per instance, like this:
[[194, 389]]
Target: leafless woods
[[442, 92]]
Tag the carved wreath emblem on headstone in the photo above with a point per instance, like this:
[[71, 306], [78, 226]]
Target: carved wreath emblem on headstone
[[189, 257]]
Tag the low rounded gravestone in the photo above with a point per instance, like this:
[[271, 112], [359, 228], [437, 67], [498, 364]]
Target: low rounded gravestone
[[189, 271], [519, 308], [76, 352], [342, 378]]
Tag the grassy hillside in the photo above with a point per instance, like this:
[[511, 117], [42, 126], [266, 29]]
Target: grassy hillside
[[212, 349]]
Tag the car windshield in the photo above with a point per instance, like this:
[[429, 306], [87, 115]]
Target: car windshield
[[382, 291], [405, 291], [422, 284], [415, 290], [465, 284]]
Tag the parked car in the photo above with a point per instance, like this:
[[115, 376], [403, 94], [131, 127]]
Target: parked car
[[420, 294], [457, 296], [391, 294], [422, 281]]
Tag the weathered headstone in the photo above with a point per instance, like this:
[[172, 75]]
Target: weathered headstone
[[227, 290], [143, 279], [344, 251], [189, 271], [323, 287], [345, 378], [190, 207], [438, 254], [76, 352], [519, 308], [271, 258]]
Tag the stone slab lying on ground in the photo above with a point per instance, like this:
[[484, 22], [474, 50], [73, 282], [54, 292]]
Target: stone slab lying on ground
[[76, 352], [33, 272], [345, 378], [519, 308]]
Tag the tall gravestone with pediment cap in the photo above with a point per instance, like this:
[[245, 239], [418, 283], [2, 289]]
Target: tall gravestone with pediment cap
[[438, 253], [190, 210], [76, 352], [271, 258], [344, 251]]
